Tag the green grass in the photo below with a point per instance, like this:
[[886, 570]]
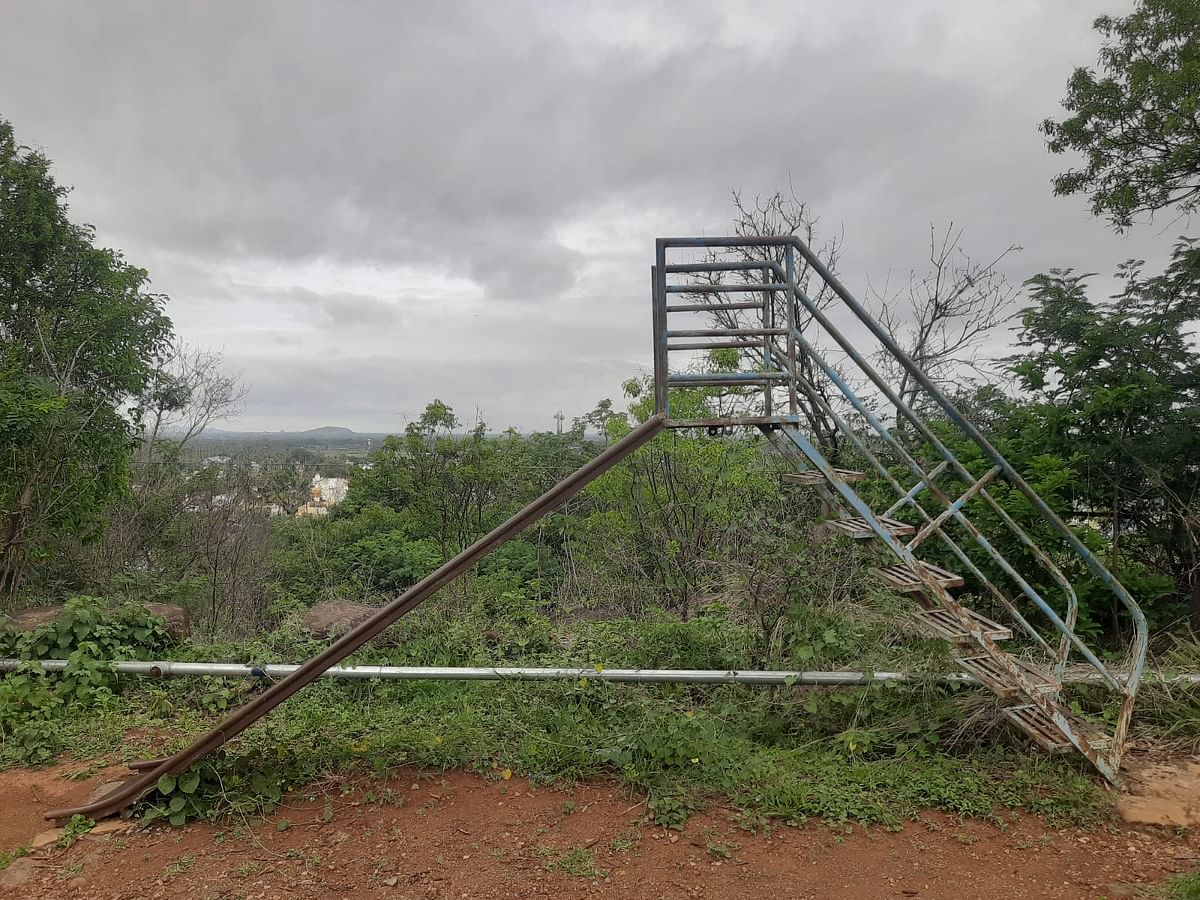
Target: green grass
[[1183, 887], [874, 755], [577, 862], [8, 857]]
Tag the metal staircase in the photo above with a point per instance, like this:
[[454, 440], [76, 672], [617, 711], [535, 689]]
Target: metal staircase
[[805, 379]]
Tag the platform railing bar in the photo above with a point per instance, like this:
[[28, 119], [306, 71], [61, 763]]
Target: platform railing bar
[[710, 307], [727, 332], [702, 288], [715, 345]]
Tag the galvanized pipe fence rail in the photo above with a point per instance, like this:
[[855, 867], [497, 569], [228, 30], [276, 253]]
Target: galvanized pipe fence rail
[[749, 677]]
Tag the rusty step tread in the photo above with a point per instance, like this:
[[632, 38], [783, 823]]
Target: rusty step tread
[[902, 578], [988, 671], [814, 476], [858, 527], [947, 626], [1036, 723]]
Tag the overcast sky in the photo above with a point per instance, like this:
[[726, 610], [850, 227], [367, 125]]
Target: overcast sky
[[367, 205]]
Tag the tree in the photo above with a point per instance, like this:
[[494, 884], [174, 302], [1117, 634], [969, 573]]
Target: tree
[[189, 392], [80, 338], [942, 317], [599, 420], [1137, 123], [1116, 391]]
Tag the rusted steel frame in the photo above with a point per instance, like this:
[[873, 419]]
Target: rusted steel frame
[[913, 492], [1047, 563], [959, 517], [241, 719], [1141, 631], [953, 508], [842, 425], [1018, 676], [967, 475], [1106, 765]]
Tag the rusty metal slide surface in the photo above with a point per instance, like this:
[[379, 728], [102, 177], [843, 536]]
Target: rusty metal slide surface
[[241, 719]]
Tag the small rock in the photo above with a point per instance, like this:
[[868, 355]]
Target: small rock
[[112, 826], [18, 872], [46, 838], [391, 882], [335, 616]]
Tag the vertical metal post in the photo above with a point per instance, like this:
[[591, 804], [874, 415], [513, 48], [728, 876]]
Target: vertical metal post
[[790, 295], [768, 324], [659, 299]]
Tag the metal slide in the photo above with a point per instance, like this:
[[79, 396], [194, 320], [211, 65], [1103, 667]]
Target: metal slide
[[238, 721]]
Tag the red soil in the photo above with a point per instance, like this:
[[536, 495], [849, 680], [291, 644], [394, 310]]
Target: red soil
[[462, 836]]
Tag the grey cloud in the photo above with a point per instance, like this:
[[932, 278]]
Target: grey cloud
[[479, 140]]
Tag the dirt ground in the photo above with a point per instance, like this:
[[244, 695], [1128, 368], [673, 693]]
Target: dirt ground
[[454, 835]]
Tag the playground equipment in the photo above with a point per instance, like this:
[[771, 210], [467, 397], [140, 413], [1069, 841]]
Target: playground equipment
[[785, 334]]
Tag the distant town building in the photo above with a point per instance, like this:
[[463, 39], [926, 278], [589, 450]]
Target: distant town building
[[324, 493]]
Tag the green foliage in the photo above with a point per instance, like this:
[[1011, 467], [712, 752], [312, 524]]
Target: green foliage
[[87, 625], [1182, 887], [76, 828], [577, 862], [1135, 121], [80, 338], [222, 783], [32, 701]]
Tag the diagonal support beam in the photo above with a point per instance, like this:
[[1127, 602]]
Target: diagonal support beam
[[243, 718]]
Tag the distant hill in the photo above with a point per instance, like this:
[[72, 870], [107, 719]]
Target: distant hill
[[331, 432], [325, 436]]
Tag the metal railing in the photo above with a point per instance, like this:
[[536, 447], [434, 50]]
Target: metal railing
[[784, 334]]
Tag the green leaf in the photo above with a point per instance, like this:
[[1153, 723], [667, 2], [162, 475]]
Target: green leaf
[[189, 782], [177, 804], [166, 784], [178, 819]]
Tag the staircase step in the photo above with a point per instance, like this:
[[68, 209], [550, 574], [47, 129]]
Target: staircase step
[[1038, 725], [902, 578], [947, 626], [814, 476], [858, 527], [989, 671]]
